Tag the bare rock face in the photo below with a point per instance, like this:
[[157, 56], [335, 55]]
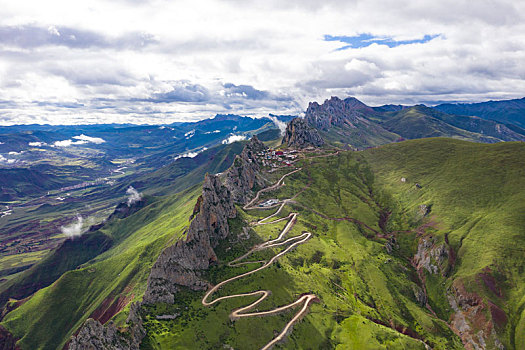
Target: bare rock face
[[94, 335], [244, 175], [181, 264], [431, 256], [471, 322], [300, 134], [336, 112]]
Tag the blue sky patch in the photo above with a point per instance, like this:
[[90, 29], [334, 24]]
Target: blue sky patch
[[364, 40]]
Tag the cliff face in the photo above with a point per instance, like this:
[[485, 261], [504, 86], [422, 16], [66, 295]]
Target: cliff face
[[299, 134], [336, 112], [94, 335], [181, 263], [244, 174]]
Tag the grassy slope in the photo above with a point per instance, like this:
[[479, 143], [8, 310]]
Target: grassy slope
[[476, 192], [68, 256], [419, 122], [365, 135], [360, 286], [48, 319], [186, 172]]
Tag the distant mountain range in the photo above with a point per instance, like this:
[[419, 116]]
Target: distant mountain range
[[507, 111], [352, 123], [411, 245]]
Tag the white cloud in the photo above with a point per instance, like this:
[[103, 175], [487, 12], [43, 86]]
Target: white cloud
[[190, 154], [75, 229], [133, 195], [61, 63], [281, 125], [67, 143], [8, 161], [86, 138], [37, 144], [233, 138], [82, 139]]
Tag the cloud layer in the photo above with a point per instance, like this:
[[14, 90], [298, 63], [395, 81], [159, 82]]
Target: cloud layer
[[157, 61]]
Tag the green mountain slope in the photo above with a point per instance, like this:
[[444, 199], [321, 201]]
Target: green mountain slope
[[476, 193], [107, 283], [420, 122], [186, 172], [506, 111], [394, 265], [356, 206]]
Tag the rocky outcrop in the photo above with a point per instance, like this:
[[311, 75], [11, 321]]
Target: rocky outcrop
[[340, 113], [94, 335], [471, 323], [431, 256], [244, 176], [420, 295], [299, 134], [348, 123], [181, 264]]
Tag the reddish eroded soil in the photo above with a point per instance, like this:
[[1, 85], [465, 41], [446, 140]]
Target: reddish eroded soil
[[398, 328], [472, 308], [499, 318], [7, 340], [490, 282], [111, 306]]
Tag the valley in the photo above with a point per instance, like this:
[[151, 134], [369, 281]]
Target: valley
[[298, 243], [50, 183], [262, 175]]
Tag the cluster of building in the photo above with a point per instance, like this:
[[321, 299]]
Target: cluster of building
[[275, 158]]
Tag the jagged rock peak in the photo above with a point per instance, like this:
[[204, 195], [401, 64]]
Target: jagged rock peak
[[94, 335], [252, 147], [182, 263], [245, 173], [337, 112], [299, 134]]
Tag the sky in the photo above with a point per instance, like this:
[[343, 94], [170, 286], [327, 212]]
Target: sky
[[140, 61]]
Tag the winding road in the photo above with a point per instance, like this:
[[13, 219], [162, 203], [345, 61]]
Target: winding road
[[290, 243]]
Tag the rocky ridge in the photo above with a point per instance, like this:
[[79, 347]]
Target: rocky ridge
[[94, 335], [336, 112], [245, 173], [299, 134], [182, 264], [469, 319]]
